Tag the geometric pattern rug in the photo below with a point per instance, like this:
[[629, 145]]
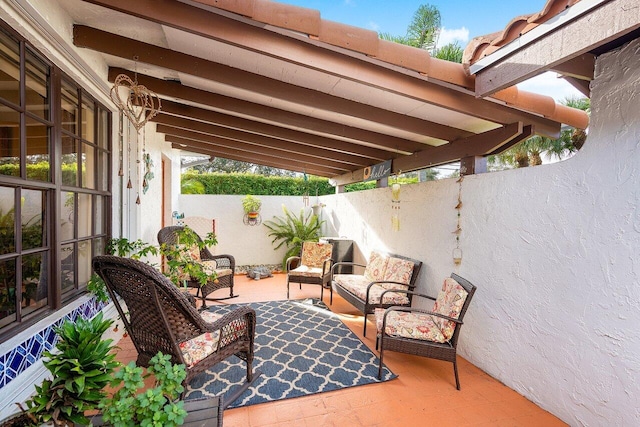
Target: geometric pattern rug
[[301, 347]]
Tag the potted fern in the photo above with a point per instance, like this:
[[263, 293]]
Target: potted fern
[[291, 231]]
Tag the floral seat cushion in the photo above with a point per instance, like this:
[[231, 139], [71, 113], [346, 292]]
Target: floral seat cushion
[[203, 345], [357, 285], [413, 325], [423, 326], [306, 271]]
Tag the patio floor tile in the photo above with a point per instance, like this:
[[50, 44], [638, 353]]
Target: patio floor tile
[[423, 394]]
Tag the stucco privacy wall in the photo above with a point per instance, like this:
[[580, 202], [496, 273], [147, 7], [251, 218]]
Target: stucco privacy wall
[[554, 252], [250, 245]]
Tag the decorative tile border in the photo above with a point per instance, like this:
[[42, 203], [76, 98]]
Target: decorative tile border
[[25, 354]]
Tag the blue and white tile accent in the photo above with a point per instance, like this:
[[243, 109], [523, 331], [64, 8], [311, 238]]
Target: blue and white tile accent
[[26, 353]]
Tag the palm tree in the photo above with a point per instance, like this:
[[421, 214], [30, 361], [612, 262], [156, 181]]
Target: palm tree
[[423, 31], [528, 152]]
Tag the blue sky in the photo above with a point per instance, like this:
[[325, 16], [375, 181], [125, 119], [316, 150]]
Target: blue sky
[[461, 20], [473, 18]]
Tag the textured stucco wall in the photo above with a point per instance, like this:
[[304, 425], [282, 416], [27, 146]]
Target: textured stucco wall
[[250, 245], [554, 251]]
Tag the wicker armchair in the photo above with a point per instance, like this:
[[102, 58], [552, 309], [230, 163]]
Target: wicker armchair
[[225, 268], [314, 266], [160, 317], [429, 333]]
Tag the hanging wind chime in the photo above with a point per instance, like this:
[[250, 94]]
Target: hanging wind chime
[[395, 206], [457, 252], [138, 105], [305, 195]]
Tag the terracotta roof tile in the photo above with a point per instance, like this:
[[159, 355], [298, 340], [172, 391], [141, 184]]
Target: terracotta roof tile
[[309, 22], [482, 46], [295, 18]]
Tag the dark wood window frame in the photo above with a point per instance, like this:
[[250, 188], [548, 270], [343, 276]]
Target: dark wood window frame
[[89, 229]]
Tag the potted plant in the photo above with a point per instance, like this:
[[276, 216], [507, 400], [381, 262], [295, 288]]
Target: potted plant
[[291, 231], [133, 405], [251, 205], [180, 261], [81, 368]]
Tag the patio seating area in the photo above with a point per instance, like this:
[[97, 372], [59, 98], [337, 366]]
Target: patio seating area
[[424, 390]]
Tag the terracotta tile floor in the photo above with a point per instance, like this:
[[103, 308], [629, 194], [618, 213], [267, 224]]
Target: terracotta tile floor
[[424, 393]]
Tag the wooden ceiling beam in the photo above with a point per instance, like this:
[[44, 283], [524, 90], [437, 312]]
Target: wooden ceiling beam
[[249, 157], [581, 67], [477, 145], [262, 141], [274, 115], [116, 45], [305, 52], [195, 139], [268, 130]]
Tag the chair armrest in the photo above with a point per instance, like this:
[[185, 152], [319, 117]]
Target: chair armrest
[[290, 260], [333, 268], [327, 266], [233, 325], [228, 261], [406, 291]]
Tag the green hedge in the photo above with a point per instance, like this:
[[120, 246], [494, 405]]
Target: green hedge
[[259, 185], [40, 171], [241, 184]]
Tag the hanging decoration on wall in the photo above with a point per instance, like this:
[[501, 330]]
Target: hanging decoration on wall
[[148, 172], [139, 105], [457, 252], [395, 206], [305, 195]]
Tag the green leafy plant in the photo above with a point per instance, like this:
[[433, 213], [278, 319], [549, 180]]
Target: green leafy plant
[[251, 204], [291, 231], [158, 406], [82, 367], [181, 264]]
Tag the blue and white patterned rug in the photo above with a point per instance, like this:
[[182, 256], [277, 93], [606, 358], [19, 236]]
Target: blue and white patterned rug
[[301, 348]]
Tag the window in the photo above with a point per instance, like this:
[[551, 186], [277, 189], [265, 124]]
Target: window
[[54, 184]]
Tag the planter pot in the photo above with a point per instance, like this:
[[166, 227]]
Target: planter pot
[[16, 420], [252, 215], [206, 412]]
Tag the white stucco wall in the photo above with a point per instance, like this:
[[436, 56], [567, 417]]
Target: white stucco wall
[[250, 245], [554, 252]]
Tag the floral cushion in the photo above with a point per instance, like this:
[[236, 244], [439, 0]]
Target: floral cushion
[[449, 303], [305, 271], [418, 326], [376, 267], [190, 253], [398, 270], [315, 253], [357, 285], [203, 345]]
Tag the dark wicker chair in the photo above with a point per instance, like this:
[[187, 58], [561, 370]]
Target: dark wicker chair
[[421, 347], [169, 235], [160, 317], [313, 266]]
